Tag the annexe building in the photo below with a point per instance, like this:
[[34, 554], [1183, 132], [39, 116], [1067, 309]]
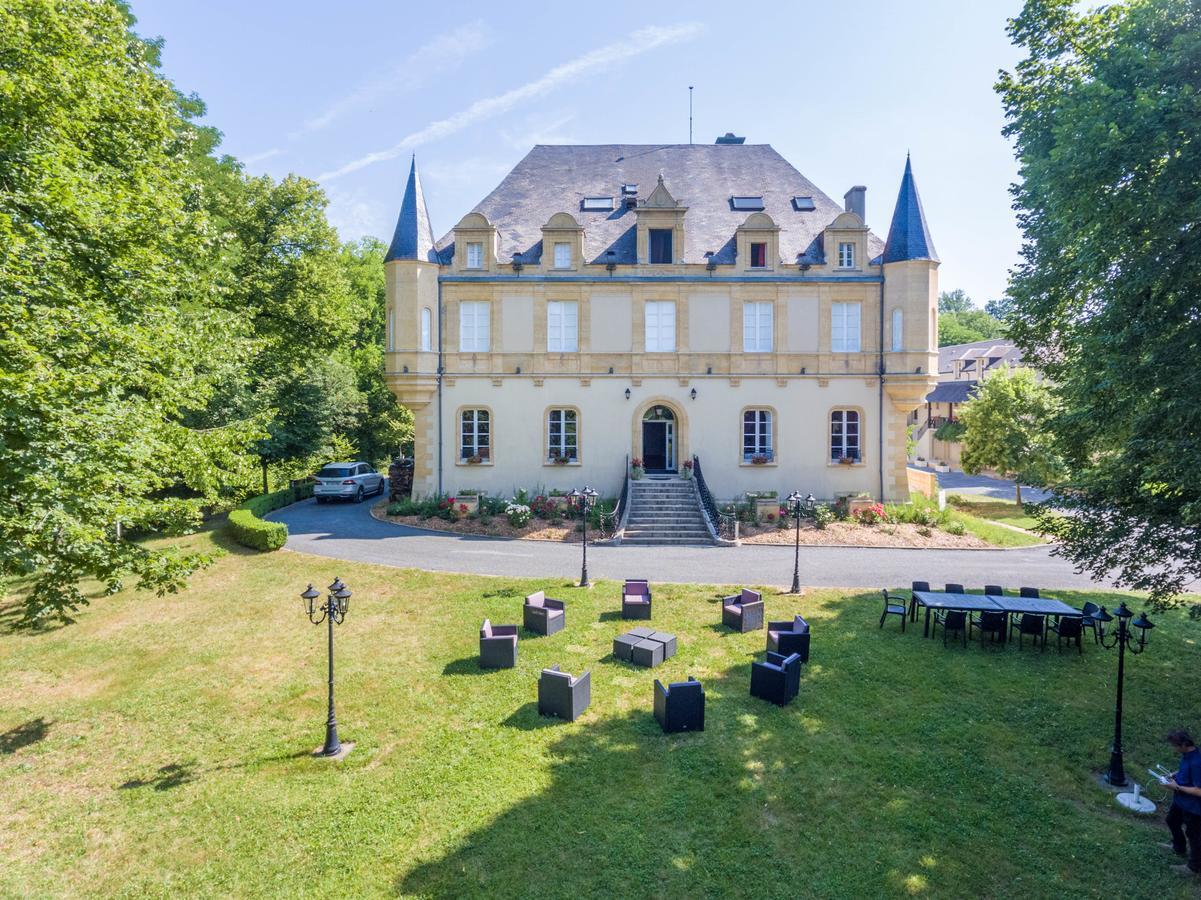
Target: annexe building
[[616, 302]]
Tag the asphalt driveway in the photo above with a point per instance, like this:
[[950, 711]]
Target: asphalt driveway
[[347, 531]]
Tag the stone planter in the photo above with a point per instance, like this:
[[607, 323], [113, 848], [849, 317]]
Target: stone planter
[[471, 502], [765, 507]]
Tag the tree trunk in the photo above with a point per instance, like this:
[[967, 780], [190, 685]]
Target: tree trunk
[[1018, 486]]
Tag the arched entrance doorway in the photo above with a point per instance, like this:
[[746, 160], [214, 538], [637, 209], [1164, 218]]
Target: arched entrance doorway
[[659, 439]]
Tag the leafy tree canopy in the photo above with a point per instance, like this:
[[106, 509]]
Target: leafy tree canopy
[[1104, 110], [959, 322]]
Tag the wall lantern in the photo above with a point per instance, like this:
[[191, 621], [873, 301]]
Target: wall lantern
[[627, 393], [694, 393]]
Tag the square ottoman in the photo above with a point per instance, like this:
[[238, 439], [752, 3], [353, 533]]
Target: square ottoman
[[640, 632], [623, 644], [647, 653], [667, 640]]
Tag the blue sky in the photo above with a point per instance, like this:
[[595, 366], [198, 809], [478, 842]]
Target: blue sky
[[344, 93]]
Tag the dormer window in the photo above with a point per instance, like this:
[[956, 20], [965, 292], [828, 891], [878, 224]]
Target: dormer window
[[596, 204], [562, 255], [846, 255], [747, 204], [475, 255], [660, 245], [803, 204], [759, 256]]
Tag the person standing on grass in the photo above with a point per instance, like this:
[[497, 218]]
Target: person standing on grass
[[1184, 818]]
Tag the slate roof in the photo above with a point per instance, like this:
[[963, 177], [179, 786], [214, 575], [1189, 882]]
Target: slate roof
[[414, 237], [908, 235], [1007, 351], [701, 177], [951, 392]]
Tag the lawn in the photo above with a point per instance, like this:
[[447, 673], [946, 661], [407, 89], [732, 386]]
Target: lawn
[[993, 509], [160, 747]]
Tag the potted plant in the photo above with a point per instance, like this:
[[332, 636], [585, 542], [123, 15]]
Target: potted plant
[[686, 471], [759, 459], [847, 460], [636, 470], [475, 460], [561, 460]]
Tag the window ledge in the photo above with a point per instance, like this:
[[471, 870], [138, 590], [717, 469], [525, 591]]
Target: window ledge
[[770, 464], [550, 463], [463, 462], [836, 465]]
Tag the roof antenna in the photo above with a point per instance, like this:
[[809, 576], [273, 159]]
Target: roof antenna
[[689, 115]]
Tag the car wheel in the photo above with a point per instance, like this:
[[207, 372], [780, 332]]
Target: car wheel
[[358, 495]]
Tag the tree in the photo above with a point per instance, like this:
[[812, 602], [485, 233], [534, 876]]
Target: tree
[[1104, 111], [1005, 429], [959, 322], [109, 340]]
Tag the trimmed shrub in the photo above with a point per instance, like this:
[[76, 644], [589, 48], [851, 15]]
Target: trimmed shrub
[[822, 516], [250, 530], [519, 514], [956, 527]]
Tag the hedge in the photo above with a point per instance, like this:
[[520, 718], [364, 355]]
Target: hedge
[[248, 529]]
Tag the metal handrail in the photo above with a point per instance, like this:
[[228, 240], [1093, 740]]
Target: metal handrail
[[724, 526], [611, 521]]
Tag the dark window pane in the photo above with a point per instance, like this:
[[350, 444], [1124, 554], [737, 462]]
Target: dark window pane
[[758, 256], [660, 245]]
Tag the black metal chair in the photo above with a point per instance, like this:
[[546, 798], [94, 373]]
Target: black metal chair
[[994, 590], [916, 586], [989, 623], [955, 589], [1028, 623], [1029, 592], [892, 608], [951, 620], [1069, 629], [1090, 620]]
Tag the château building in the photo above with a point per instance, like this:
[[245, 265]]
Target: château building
[[613, 302]]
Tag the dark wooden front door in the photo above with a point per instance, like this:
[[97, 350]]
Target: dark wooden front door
[[654, 446]]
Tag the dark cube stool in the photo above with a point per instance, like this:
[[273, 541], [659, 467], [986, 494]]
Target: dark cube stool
[[667, 640], [647, 653], [641, 633], [623, 644]]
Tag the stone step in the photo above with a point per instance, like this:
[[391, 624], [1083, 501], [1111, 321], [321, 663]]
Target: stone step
[[690, 516], [667, 532]]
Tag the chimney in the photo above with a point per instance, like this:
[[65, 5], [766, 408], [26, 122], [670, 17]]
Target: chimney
[[729, 138], [856, 201]]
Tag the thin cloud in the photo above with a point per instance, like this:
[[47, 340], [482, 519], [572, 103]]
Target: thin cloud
[[441, 54], [599, 60], [262, 157]]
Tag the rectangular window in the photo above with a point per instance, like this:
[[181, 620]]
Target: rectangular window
[[660, 326], [844, 435], [426, 318], [391, 329], [756, 435], [474, 326], [562, 434], [898, 330], [475, 255], [844, 327], [660, 245], [475, 434], [757, 327], [562, 255], [562, 331], [846, 255], [758, 256]]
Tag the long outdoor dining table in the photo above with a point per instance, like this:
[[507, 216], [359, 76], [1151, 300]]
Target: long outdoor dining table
[[1042, 606]]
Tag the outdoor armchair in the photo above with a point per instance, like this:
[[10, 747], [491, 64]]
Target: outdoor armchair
[[951, 620], [680, 706], [894, 606], [989, 622], [1029, 624], [916, 586], [636, 599], [543, 615], [1068, 629], [743, 612], [778, 679], [561, 695], [498, 646], [789, 637]]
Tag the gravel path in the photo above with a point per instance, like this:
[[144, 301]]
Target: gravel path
[[348, 531]]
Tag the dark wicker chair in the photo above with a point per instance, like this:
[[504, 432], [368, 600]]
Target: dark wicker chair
[[894, 608], [1090, 620], [789, 637], [743, 612], [1030, 592], [498, 646], [1069, 630], [543, 615], [778, 679], [988, 622], [955, 589], [561, 695], [1031, 624], [951, 620], [636, 599], [994, 590], [680, 706], [916, 586]]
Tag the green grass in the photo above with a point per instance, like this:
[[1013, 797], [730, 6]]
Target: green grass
[[995, 510], [160, 747]]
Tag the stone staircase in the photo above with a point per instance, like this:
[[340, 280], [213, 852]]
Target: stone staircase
[[665, 510]]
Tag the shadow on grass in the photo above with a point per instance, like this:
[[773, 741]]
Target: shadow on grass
[[23, 735], [611, 615], [167, 777], [526, 718], [468, 665]]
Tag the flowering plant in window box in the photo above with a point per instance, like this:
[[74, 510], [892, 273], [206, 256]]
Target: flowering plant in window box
[[474, 460], [759, 459], [847, 460], [560, 460]]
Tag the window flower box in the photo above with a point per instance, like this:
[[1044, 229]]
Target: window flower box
[[561, 460], [760, 459], [474, 460]]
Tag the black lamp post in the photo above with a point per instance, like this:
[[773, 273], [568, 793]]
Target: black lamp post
[[797, 503], [585, 500], [332, 611], [1124, 640]]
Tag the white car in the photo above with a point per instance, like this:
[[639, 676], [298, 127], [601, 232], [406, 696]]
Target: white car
[[347, 481]]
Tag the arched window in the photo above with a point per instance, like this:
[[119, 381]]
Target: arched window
[[898, 330], [844, 435], [426, 322], [756, 435], [562, 434], [475, 434]]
